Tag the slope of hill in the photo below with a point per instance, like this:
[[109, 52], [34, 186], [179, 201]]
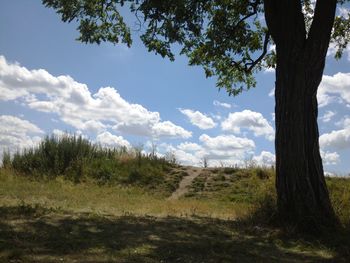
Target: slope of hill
[[210, 216]]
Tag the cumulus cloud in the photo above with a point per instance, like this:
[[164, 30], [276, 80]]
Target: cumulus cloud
[[250, 120], [334, 88], [226, 142], [17, 134], [199, 119], [269, 70], [344, 12], [183, 157], [106, 139], [190, 147], [167, 128], [226, 148], [219, 150], [328, 115], [344, 122], [222, 104], [75, 105], [330, 158], [265, 158], [59, 133], [338, 140]]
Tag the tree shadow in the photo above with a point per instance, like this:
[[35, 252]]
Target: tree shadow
[[38, 235]]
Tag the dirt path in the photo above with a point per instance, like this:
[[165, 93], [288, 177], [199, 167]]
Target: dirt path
[[193, 172]]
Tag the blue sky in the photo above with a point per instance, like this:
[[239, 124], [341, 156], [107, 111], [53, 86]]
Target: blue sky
[[50, 83]]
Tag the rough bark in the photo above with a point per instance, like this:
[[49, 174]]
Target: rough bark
[[302, 195]]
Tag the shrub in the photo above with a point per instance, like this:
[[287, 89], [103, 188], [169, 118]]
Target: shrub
[[75, 159]]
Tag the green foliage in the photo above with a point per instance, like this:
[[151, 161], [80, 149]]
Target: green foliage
[[77, 159], [341, 34], [55, 155], [6, 159], [225, 37], [100, 20]]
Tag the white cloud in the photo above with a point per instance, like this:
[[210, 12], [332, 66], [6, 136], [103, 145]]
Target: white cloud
[[272, 93], [13, 125], [338, 140], [199, 119], [330, 158], [226, 142], [183, 154], [17, 134], [253, 121], [226, 147], [265, 159], [59, 133], [344, 12], [269, 70], [334, 88], [93, 126], [222, 104], [185, 158], [189, 147], [219, 150], [167, 128], [344, 122], [76, 106], [106, 139], [328, 116]]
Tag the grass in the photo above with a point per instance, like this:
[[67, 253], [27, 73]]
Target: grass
[[59, 221], [34, 235], [246, 186], [104, 199], [78, 160], [71, 201]]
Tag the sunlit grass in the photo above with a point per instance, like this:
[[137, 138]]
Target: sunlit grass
[[107, 199], [57, 220]]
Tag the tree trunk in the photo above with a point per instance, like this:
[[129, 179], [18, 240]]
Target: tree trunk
[[302, 195]]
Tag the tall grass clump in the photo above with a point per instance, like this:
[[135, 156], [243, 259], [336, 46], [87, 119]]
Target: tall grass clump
[[54, 155], [76, 159], [339, 191], [6, 160]]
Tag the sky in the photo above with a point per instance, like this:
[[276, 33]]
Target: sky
[[118, 96]]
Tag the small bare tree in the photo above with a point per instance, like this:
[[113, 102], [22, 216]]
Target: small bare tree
[[205, 162]]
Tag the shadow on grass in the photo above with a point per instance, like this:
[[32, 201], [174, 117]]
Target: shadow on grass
[[30, 234]]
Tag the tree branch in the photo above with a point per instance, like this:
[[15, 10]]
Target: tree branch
[[321, 27], [254, 63], [285, 21]]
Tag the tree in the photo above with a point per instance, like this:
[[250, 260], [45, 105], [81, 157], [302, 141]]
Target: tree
[[230, 39]]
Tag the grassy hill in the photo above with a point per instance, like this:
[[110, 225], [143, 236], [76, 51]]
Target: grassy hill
[[71, 201]]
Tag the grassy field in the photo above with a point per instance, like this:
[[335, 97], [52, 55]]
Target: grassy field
[[59, 221], [72, 201]]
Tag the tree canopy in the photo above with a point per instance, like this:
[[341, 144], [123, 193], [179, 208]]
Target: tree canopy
[[229, 38]]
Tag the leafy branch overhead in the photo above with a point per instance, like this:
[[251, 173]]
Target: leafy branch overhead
[[228, 38]]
